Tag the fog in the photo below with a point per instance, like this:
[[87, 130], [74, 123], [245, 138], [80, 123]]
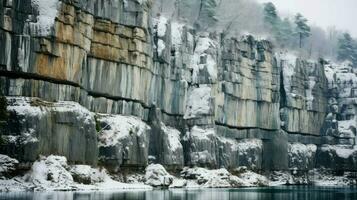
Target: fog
[[325, 13]]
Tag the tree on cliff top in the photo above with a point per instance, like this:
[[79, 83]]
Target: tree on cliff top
[[281, 30], [270, 15], [272, 20], [302, 29], [347, 49]]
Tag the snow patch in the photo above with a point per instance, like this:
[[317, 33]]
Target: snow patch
[[176, 33], [7, 164], [118, 127], [173, 137], [345, 128], [299, 148], [156, 175], [198, 102], [204, 58], [160, 25], [309, 95], [47, 13], [342, 151], [205, 178], [287, 62], [27, 106], [22, 106], [200, 133], [52, 173], [160, 47], [251, 179]]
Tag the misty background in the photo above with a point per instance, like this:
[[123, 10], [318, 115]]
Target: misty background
[[329, 31]]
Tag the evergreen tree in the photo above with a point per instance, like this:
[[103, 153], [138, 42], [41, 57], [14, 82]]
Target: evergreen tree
[[285, 33], [302, 29], [272, 20], [270, 15], [347, 49]]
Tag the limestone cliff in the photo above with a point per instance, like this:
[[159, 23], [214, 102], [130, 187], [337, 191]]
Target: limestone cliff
[[105, 81]]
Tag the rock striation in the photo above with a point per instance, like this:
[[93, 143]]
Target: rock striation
[[106, 82]]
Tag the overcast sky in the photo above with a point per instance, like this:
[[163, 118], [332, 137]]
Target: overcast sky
[[325, 13]]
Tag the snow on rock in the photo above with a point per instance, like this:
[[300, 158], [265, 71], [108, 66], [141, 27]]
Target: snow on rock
[[82, 113], [26, 106], [160, 26], [321, 177], [157, 176], [15, 185], [117, 127], [204, 59], [33, 108], [205, 178], [346, 128], [342, 151], [160, 46], [47, 13], [280, 178], [309, 95], [176, 33], [249, 152], [7, 164], [301, 156], [22, 107], [198, 102], [173, 137], [123, 139], [251, 179], [202, 150], [50, 173], [87, 175], [330, 74], [202, 134], [341, 76], [287, 62], [172, 150]]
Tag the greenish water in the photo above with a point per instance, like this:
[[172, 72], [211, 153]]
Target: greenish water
[[269, 193]]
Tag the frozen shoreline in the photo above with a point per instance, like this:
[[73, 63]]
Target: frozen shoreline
[[52, 173]]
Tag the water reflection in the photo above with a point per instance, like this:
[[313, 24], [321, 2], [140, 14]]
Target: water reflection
[[276, 193]]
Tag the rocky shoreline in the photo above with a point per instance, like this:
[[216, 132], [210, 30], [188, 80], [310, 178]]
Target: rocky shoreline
[[54, 174]]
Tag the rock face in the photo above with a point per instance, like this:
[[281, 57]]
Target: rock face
[[36, 127], [304, 96], [123, 141], [106, 81]]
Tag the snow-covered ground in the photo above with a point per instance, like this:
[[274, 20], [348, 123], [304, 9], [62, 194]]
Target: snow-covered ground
[[53, 173]]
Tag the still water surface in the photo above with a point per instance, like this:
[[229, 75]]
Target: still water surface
[[269, 193]]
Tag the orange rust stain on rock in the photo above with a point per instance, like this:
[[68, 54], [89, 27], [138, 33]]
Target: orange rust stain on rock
[[52, 67]]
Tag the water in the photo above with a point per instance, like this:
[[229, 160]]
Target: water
[[269, 193]]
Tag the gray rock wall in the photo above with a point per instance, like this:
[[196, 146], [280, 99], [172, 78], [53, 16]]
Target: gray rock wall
[[208, 96], [38, 128]]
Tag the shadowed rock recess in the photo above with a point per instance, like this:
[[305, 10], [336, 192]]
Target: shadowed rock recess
[[107, 83]]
